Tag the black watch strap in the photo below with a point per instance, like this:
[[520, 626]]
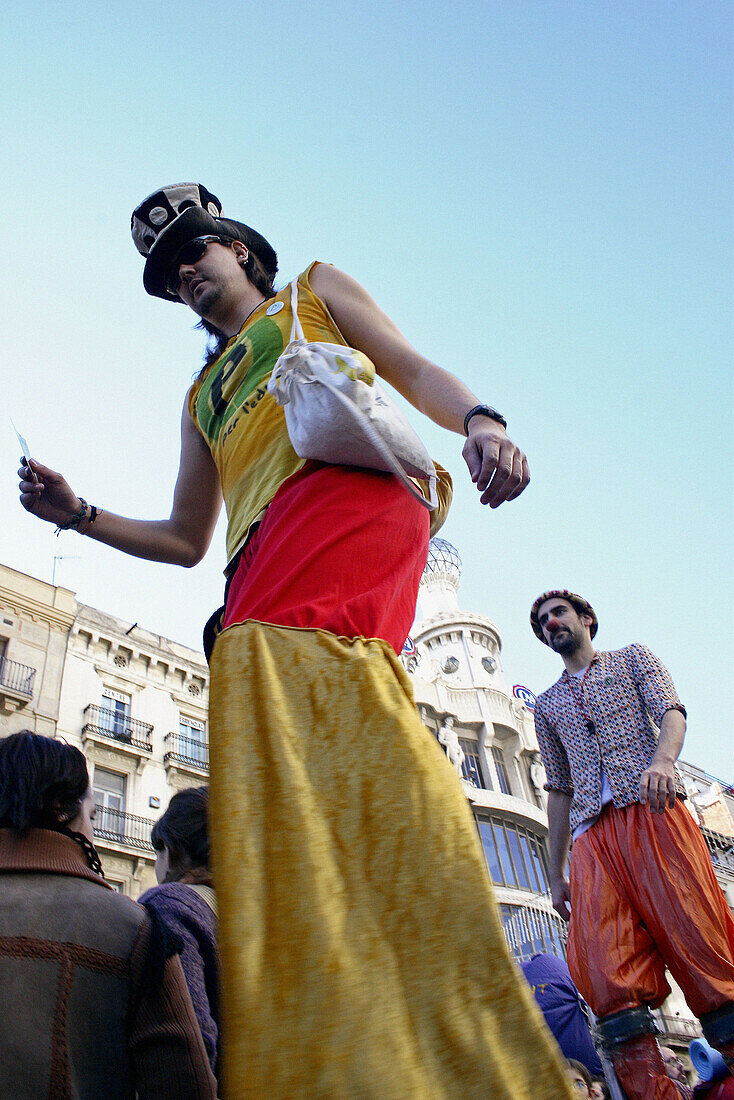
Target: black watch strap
[[483, 410]]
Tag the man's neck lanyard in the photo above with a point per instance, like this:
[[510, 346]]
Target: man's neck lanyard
[[579, 700]]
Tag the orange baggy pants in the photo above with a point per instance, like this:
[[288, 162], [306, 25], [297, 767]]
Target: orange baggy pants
[[643, 897]]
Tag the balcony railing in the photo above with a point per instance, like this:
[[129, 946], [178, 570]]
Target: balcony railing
[[118, 727], [678, 1028], [530, 930], [721, 850], [123, 828], [185, 750], [17, 678]]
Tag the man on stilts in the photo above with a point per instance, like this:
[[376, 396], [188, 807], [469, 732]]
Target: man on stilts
[[361, 947], [642, 891]]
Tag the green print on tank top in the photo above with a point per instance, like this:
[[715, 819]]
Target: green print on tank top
[[238, 372]]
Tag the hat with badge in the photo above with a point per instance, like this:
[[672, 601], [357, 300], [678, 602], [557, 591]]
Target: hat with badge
[[578, 603], [175, 215]]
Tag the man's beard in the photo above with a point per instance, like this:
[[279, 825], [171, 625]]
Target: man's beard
[[567, 644], [207, 299]]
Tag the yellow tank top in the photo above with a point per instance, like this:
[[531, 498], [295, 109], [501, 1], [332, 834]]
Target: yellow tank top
[[243, 425]]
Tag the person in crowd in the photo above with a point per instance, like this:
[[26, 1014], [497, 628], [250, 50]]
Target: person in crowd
[[676, 1071], [337, 823], [563, 1009], [599, 1089], [642, 891], [579, 1078], [94, 1004], [186, 902]]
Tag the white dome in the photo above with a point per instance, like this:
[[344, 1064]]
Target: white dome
[[443, 558]]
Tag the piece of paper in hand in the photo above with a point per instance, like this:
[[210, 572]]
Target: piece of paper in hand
[[24, 448]]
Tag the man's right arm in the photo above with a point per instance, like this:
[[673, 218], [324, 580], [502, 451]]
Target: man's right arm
[[559, 841], [182, 539], [560, 788]]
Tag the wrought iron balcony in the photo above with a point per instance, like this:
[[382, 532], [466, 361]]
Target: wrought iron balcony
[[677, 1027], [16, 678], [123, 828], [531, 929], [721, 850], [184, 750], [118, 727]]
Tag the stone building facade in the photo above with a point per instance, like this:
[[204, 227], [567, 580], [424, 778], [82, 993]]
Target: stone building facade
[[35, 620], [134, 703]]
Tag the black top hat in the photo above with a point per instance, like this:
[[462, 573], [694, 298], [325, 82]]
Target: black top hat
[[169, 218]]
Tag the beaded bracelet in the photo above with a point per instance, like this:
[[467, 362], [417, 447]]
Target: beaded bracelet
[[75, 520]]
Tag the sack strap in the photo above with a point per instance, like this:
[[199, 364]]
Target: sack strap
[[373, 435], [206, 894], [296, 328]]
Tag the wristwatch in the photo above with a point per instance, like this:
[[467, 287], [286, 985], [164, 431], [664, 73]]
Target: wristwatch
[[483, 410]]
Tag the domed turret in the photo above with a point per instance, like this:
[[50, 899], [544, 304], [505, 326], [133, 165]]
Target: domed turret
[[443, 558], [441, 577]]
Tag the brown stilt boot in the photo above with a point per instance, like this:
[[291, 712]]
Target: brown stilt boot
[[641, 1070]]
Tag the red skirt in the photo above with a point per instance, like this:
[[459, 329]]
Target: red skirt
[[340, 549]]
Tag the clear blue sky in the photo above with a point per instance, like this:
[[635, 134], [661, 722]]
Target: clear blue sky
[[538, 193]]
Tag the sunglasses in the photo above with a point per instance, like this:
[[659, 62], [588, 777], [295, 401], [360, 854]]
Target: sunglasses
[[188, 253]]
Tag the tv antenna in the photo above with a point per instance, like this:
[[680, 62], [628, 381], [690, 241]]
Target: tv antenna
[[63, 557]]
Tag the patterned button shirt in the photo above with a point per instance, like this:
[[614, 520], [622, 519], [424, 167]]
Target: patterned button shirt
[[625, 695]]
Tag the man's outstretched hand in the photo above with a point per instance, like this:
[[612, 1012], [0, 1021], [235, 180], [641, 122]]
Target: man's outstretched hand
[[498, 468]]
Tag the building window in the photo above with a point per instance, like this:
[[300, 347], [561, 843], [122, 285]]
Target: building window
[[490, 850], [514, 855], [521, 871], [109, 796], [192, 734], [114, 714], [472, 766], [499, 766], [503, 850]]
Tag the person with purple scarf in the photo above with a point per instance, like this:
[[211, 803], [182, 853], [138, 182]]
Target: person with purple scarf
[[185, 901]]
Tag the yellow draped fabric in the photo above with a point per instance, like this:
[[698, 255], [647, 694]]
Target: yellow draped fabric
[[362, 952]]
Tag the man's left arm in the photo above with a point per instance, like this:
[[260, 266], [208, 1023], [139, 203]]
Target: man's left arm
[[657, 782], [496, 465]]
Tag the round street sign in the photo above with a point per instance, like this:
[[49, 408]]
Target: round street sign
[[525, 696]]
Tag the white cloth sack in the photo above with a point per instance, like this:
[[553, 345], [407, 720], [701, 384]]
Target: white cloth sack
[[334, 415]]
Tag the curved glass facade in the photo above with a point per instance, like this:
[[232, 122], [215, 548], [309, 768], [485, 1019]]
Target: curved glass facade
[[515, 855]]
